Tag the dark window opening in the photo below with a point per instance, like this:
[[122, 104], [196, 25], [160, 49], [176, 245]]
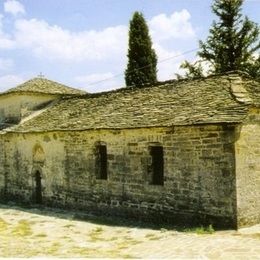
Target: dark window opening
[[38, 188], [157, 165], [102, 162]]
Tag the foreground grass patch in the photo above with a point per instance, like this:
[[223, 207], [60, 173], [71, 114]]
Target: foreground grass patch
[[95, 234], [53, 249], [152, 236], [3, 225], [41, 235], [23, 228], [201, 230]]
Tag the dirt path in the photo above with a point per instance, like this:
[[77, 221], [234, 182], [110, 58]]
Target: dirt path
[[52, 233]]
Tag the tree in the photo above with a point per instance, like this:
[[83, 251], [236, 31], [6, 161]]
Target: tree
[[233, 41], [142, 59]]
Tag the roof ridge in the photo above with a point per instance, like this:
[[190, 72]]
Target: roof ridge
[[238, 91], [171, 82], [44, 86]]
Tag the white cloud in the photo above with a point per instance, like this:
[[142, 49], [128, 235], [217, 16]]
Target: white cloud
[[177, 25], [6, 64], [14, 7], [103, 82], [168, 62], [53, 42], [9, 81], [5, 41], [109, 46]]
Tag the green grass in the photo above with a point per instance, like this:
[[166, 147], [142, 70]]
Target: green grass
[[151, 236], [53, 249], [69, 225], [98, 230], [3, 225], [201, 230], [95, 234], [41, 235], [23, 228]]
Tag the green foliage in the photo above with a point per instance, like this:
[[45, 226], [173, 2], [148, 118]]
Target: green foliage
[[3, 225], [142, 59], [192, 70], [233, 42], [23, 228], [201, 230]]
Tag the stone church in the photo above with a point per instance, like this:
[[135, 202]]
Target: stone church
[[179, 152]]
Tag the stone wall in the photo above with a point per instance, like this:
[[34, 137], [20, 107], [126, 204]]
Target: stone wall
[[2, 166], [248, 170], [199, 175]]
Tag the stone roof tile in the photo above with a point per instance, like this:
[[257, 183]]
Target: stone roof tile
[[202, 101], [44, 86]]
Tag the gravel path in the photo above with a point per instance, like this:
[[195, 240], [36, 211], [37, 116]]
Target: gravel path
[[53, 233]]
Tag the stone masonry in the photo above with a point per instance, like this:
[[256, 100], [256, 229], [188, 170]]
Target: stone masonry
[[181, 152], [199, 172]]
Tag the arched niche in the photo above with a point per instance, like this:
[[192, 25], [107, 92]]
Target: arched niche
[[38, 154]]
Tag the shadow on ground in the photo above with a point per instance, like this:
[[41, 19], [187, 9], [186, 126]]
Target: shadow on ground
[[94, 218]]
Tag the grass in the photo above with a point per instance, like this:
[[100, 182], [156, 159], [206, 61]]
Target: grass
[[201, 230], [53, 249], [98, 230], [23, 228], [95, 234], [151, 236], [69, 225], [3, 225], [113, 239], [41, 235], [257, 235]]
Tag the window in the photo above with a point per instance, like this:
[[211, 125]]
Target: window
[[101, 162], [156, 153]]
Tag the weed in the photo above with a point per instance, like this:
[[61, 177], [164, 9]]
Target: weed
[[83, 251], [52, 250], [69, 225], [163, 230], [151, 236], [201, 230], [3, 225], [95, 234], [23, 228], [98, 229], [113, 238], [128, 256], [123, 245], [41, 235]]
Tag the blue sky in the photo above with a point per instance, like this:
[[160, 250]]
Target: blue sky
[[82, 42]]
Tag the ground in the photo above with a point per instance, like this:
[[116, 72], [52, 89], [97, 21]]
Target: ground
[[56, 233]]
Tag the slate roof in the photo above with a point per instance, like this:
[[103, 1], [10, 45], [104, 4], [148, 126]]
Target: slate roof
[[44, 86], [253, 88], [215, 99]]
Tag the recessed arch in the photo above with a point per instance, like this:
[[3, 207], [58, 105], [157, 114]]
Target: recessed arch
[[38, 154]]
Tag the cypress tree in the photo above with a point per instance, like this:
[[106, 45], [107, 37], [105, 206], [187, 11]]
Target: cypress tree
[[233, 41], [142, 59]]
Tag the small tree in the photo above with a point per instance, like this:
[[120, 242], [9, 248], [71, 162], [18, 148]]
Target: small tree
[[142, 59], [232, 43]]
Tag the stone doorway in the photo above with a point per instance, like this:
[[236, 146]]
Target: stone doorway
[[38, 187]]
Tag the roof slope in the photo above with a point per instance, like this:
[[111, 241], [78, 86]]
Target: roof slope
[[44, 86], [253, 88], [209, 100]]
